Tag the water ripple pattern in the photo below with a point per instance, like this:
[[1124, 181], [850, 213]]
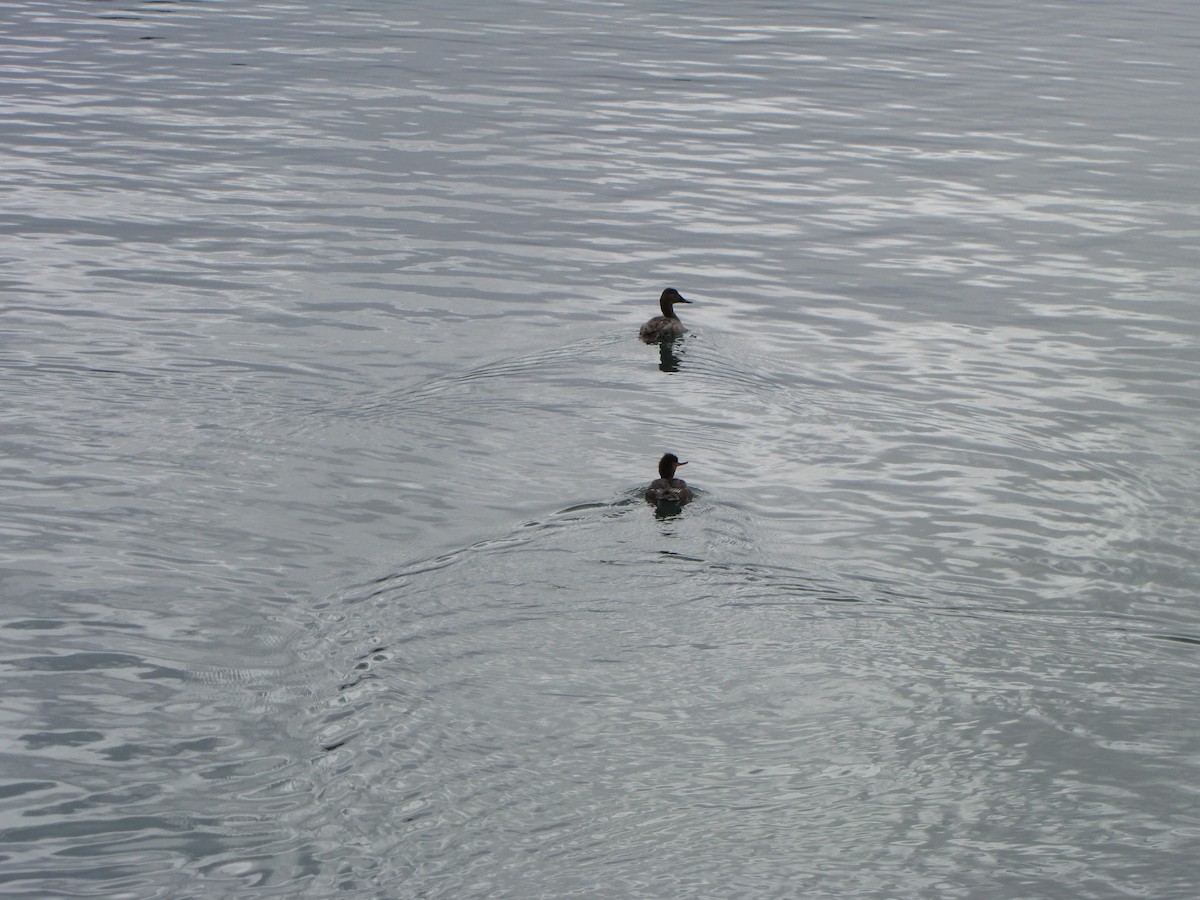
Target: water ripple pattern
[[324, 569]]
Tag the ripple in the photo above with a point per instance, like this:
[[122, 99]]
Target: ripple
[[325, 565], [509, 691]]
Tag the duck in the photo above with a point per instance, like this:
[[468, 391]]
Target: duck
[[667, 488], [666, 327]]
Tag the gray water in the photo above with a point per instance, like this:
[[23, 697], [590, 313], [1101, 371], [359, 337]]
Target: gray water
[[325, 569]]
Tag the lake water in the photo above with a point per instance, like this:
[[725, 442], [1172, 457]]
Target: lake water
[[325, 570]]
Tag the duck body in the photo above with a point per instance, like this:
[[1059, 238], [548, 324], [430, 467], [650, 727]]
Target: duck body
[[666, 327], [667, 489], [660, 328], [663, 491]]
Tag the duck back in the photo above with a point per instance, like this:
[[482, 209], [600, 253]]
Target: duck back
[[661, 327], [663, 491]]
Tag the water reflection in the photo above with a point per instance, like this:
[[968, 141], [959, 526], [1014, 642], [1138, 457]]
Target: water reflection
[[670, 354], [788, 699], [276, 329], [668, 508], [669, 504]]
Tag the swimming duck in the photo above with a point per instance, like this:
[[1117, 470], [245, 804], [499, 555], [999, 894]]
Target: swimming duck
[[667, 326], [667, 488]]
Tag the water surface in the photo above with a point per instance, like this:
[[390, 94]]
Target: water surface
[[325, 571]]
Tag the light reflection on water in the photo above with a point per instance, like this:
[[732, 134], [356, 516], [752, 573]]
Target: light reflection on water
[[324, 568], [606, 707]]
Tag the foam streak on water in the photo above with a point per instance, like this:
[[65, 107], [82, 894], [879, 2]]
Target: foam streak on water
[[323, 565]]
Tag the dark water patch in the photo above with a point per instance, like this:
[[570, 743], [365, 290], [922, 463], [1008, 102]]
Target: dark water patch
[[1177, 638]]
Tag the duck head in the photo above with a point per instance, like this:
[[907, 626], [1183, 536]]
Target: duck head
[[668, 299], [668, 464]]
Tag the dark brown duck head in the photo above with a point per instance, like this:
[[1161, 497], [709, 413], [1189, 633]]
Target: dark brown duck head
[[668, 300], [668, 464]]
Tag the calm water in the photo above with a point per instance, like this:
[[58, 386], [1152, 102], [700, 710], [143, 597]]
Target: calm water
[[324, 571]]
